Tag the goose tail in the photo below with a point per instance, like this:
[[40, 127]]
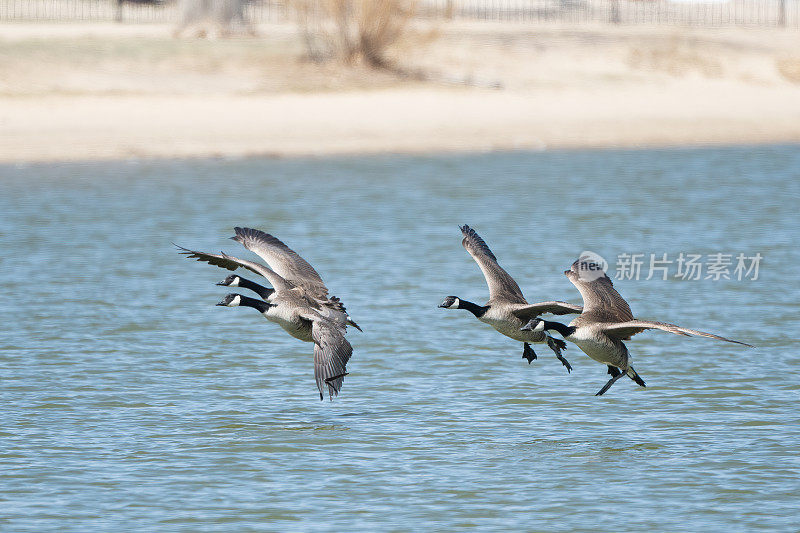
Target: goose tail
[[350, 322]]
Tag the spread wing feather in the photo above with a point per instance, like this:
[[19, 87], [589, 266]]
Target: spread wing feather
[[331, 354], [624, 330], [282, 259], [528, 312], [601, 301], [502, 286], [232, 263]]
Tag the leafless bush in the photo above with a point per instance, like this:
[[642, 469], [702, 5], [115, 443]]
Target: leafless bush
[[353, 30]]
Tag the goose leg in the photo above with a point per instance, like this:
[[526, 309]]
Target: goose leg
[[616, 375], [557, 345], [528, 353], [635, 377]]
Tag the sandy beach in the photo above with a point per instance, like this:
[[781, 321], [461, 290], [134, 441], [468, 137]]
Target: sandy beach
[[102, 91]]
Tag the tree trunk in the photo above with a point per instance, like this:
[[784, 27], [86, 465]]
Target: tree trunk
[[202, 18]]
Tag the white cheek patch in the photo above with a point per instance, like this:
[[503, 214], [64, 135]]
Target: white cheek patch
[[236, 301], [539, 326], [235, 282], [455, 304]]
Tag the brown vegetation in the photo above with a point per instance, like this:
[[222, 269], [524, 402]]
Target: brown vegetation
[[789, 68], [353, 31]]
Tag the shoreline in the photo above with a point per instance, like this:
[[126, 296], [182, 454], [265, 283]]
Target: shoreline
[[139, 159], [115, 128], [137, 94]]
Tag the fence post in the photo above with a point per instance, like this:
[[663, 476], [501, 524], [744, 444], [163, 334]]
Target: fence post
[[449, 9], [614, 14]]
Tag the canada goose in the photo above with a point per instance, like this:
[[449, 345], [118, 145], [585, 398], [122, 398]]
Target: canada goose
[[291, 310], [287, 270], [237, 281], [605, 322], [507, 310], [299, 302]]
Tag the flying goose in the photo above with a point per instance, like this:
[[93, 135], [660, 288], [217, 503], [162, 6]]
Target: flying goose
[[293, 311], [287, 270], [507, 310], [298, 301], [605, 322]]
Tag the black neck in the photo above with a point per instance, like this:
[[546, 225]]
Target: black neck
[[262, 291], [261, 305], [475, 309], [563, 329]]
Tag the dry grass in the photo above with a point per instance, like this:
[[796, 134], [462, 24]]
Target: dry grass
[[354, 31], [151, 64], [677, 57], [789, 68]]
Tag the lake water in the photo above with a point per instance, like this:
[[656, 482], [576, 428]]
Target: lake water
[[130, 402]]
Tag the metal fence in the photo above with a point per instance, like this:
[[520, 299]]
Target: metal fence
[[167, 11], [756, 13], [763, 13]]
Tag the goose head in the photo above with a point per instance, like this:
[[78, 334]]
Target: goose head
[[451, 302], [534, 324], [588, 267], [231, 281], [575, 268], [231, 300]]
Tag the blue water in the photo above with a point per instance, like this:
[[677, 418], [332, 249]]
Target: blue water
[[130, 402]]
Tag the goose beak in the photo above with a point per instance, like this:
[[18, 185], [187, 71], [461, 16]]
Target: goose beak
[[531, 325], [221, 303], [222, 284], [440, 306], [566, 272]]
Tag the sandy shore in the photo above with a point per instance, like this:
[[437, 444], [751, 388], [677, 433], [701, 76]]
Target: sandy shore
[[107, 92]]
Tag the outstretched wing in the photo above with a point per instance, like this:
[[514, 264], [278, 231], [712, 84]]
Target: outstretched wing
[[528, 312], [331, 353], [502, 286], [232, 263], [601, 301], [624, 330], [282, 259]]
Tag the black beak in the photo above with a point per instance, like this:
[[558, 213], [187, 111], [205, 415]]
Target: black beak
[[222, 283], [222, 304], [530, 325]]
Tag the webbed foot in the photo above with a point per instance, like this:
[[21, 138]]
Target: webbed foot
[[528, 353], [557, 345]]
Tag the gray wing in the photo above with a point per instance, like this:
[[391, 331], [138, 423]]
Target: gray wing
[[282, 259], [232, 263], [624, 330], [331, 353], [527, 312], [601, 301], [502, 286]]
